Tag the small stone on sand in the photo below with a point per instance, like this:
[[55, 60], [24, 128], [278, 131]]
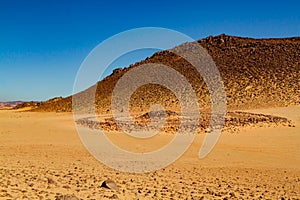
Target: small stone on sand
[[110, 184]]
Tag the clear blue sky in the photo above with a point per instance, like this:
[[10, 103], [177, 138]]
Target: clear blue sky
[[43, 43]]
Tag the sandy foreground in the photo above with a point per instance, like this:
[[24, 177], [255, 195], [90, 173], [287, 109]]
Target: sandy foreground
[[42, 157]]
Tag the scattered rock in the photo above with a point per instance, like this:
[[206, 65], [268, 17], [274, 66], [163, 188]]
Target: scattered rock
[[233, 120], [50, 181], [66, 186], [66, 197], [110, 184], [114, 196]]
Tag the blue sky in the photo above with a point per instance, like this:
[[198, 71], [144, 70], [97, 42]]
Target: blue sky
[[43, 43]]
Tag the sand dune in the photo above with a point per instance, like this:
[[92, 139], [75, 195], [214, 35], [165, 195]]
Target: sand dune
[[43, 158]]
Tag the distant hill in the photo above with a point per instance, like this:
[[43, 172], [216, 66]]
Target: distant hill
[[256, 73], [9, 104]]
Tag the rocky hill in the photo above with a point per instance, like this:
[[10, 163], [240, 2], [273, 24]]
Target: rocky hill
[[256, 73]]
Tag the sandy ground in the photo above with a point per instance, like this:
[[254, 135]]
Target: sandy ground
[[42, 157]]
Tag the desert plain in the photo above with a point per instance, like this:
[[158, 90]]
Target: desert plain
[[42, 157]]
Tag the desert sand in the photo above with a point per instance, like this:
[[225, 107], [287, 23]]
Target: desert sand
[[42, 157]]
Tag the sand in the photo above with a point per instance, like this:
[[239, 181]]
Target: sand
[[42, 157]]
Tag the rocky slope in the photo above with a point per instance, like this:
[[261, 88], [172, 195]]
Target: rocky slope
[[256, 73]]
